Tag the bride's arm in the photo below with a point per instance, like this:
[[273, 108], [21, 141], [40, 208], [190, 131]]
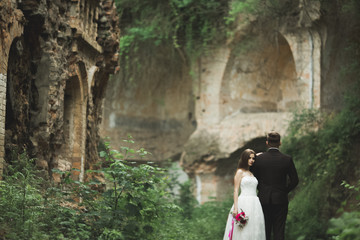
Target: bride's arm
[[237, 180]]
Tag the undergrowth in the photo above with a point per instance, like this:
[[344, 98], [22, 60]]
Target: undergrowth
[[324, 145], [136, 203]]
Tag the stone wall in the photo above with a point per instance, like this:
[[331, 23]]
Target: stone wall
[[236, 93], [58, 58], [245, 92], [11, 25], [156, 108]]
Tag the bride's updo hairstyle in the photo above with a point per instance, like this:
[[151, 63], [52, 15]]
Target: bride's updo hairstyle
[[244, 158]]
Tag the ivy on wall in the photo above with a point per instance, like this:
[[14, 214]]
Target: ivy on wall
[[186, 24], [188, 28], [185, 27]]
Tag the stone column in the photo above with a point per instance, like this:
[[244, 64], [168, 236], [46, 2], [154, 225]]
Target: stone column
[[306, 46], [211, 71]]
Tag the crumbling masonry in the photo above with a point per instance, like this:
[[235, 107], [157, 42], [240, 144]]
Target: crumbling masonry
[[56, 58]]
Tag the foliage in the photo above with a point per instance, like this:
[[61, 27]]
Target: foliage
[[183, 27], [20, 200], [186, 29], [131, 207], [322, 145], [139, 206], [197, 222], [347, 226], [242, 8], [186, 23], [355, 190], [186, 199], [183, 22], [209, 220], [30, 208], [135, 201]]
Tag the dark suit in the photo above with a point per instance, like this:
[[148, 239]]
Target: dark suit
[[277, 176]]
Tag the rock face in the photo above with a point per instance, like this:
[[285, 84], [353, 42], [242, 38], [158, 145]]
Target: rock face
[[235, 95], [244, 94], [56, 60], [156, 109]]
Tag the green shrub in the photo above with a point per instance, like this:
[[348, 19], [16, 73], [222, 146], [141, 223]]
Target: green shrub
[[347, 226], [31, 208], [320, 146], [20, 199], [136, 201]]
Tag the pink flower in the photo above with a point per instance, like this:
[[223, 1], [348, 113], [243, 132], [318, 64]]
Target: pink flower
[[241, 219]]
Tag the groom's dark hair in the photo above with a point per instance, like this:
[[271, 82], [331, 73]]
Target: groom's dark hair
[[273, 139]]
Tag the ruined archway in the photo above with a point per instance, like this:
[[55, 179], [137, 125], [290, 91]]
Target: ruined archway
[[56, 45], [260, 78], [244, 91], [305, 45], [11, 23], [18, 93], [73, 151], [159, 105]]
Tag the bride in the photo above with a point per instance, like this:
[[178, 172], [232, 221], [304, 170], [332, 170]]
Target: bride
[[248, 202]]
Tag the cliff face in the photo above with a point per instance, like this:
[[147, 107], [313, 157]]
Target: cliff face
[[237, 92], [156, 109], [57, 57], [339, 29]]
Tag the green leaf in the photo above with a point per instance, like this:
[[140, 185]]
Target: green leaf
[[103, 154]]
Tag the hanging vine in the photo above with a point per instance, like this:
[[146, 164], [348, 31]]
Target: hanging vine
[[188, 28]]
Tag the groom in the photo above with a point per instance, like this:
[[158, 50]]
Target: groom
[[277, 176]]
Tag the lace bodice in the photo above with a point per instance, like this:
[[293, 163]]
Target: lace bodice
[[248, 186]]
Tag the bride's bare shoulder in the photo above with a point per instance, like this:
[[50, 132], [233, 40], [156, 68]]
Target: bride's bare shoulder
[[240, 172]]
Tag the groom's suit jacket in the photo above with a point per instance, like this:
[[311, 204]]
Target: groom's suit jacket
[[276, 175]]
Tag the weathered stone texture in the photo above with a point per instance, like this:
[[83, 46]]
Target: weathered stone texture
[[238, 92], [51, 89], [260, 88], [157, 108], [249, 87], [11, 26]]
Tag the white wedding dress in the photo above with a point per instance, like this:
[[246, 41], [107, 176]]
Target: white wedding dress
[[250, 204]]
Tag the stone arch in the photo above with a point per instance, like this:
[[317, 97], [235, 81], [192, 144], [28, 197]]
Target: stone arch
[[75, 98], [260, 79], [211, 69], [305, 45], [10, 117], [244, 91], [13, 29], [17, 95]]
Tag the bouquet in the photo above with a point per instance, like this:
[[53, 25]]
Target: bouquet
[[241, 219]]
